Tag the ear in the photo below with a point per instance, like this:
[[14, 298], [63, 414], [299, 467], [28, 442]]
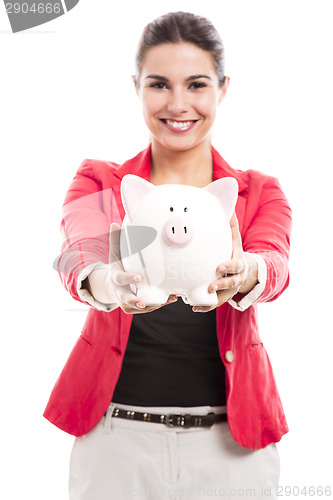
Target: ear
[[132, 189], [226, 191], [135, 84], [224, 88]]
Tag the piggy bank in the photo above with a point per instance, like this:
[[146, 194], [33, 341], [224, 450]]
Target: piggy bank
[[175, 236]]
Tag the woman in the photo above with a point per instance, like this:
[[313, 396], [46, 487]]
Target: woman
[[174, 403]]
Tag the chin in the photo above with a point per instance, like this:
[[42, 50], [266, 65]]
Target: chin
[[183, 145], [179, 147], [177, 144]]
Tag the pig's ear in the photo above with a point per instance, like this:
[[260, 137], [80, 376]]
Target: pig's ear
[[132, 189], [226, 191]]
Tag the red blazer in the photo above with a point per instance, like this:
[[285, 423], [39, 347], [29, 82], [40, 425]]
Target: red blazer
[[86, 384]]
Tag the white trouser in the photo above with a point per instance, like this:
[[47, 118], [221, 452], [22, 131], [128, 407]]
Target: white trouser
[[127, 459]]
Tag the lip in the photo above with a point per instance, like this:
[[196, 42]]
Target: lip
[[178, 129]]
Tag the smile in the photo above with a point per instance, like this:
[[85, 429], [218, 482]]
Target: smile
[[179, 126]]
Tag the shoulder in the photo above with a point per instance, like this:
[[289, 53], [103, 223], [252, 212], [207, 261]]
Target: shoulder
[[265, 192], [249, 181], [100, 175], [97, 169], [257, 179], [257, 187], [110, 172], [92, 176]]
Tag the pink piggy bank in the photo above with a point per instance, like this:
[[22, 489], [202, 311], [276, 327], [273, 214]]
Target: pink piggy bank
[[175, 236]]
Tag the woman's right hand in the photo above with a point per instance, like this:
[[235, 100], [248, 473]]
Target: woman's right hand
[[111, 285]]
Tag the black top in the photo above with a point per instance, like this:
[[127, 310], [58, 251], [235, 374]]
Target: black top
[[172, 359]]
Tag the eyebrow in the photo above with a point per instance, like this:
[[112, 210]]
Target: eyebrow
[[189, 79]]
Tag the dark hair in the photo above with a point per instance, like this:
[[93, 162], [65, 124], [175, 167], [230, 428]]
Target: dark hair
[[177, 27]]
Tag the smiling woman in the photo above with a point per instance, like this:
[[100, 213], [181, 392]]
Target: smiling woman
[[173, 400], [180, 91]]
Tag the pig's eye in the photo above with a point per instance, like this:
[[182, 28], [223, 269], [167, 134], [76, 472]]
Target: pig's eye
[[171, 209], [185, 209]]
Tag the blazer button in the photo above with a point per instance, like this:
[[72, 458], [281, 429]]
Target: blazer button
[[229, 356]]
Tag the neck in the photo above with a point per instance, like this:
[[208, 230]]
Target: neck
[[192, 166]]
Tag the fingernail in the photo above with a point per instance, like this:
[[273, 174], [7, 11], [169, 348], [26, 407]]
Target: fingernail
[[172, 299], [222, 269], [214, 288], [198, 309], [137, 278], [140, 304]]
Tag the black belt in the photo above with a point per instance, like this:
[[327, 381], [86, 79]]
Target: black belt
[[172, 420]]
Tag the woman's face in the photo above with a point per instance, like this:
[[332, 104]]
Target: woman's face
[[180, 92]]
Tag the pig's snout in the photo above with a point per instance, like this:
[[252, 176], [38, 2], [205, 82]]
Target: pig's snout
[[177, 231]]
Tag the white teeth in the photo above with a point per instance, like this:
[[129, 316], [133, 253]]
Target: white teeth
[[179, 124]]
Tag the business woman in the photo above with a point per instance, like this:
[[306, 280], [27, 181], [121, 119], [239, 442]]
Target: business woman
[[172, 401]]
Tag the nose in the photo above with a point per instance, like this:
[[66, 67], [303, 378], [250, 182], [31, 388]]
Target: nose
[[177, 231], [177, 102]]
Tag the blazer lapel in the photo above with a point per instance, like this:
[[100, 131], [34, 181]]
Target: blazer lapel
[[222, 169], [141, 165]]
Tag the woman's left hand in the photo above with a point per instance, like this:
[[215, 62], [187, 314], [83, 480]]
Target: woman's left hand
[[240, 274]]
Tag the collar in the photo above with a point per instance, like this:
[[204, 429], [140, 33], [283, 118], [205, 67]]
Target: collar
[[141, 165]]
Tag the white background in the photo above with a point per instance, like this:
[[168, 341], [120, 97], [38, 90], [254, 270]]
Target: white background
[[66, 95]]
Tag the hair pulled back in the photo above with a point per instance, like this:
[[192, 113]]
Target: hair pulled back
[[177, 27]]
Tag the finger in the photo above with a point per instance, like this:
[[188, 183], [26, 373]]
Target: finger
[[171, 299], [114, 243], [134, 310], [139, 306], [236, 236], [225, 295], [203, 308], [233, 266], [121, 277], [127, 299], [235, 280]]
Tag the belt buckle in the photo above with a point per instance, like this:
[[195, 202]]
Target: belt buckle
[[182, 420]]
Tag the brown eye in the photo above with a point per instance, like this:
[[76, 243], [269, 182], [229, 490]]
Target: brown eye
[[158, 85], [198, 85]]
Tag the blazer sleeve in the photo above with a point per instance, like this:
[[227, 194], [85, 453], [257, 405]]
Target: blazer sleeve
[[267, 236], [87, 213]]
